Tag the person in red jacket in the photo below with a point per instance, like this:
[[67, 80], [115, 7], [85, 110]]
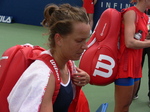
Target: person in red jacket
[[89, 7], [146, 51], [130, 56], [69, 29]]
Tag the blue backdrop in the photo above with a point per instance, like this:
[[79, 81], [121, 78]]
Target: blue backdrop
[[31, 11], [101, 5]]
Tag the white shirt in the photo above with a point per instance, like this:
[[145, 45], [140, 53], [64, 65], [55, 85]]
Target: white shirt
[[26, 95]]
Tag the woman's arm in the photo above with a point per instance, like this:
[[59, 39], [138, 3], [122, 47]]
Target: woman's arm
[[47, 104], [95, 1], [129, 23]]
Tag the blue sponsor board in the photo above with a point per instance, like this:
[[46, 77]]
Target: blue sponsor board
[[5, 19], [102, 5], [31, 11]]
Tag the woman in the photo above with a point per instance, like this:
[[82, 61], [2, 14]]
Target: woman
[[68, 30], [129, 74]]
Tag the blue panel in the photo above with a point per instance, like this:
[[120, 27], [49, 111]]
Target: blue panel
[[31, 11], [101, 5], [103, 107]]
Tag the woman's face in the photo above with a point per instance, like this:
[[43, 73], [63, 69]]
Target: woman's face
[[74, 44]]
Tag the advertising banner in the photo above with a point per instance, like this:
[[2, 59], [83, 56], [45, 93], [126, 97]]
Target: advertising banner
[[31, 11], [5, 19], [102, 5]]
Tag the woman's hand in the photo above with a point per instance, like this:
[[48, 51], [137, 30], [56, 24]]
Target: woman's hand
[[81, 78]]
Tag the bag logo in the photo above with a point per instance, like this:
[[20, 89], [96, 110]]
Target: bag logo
[[55, 68], [102, 65], [4, 57], [102, 33]]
